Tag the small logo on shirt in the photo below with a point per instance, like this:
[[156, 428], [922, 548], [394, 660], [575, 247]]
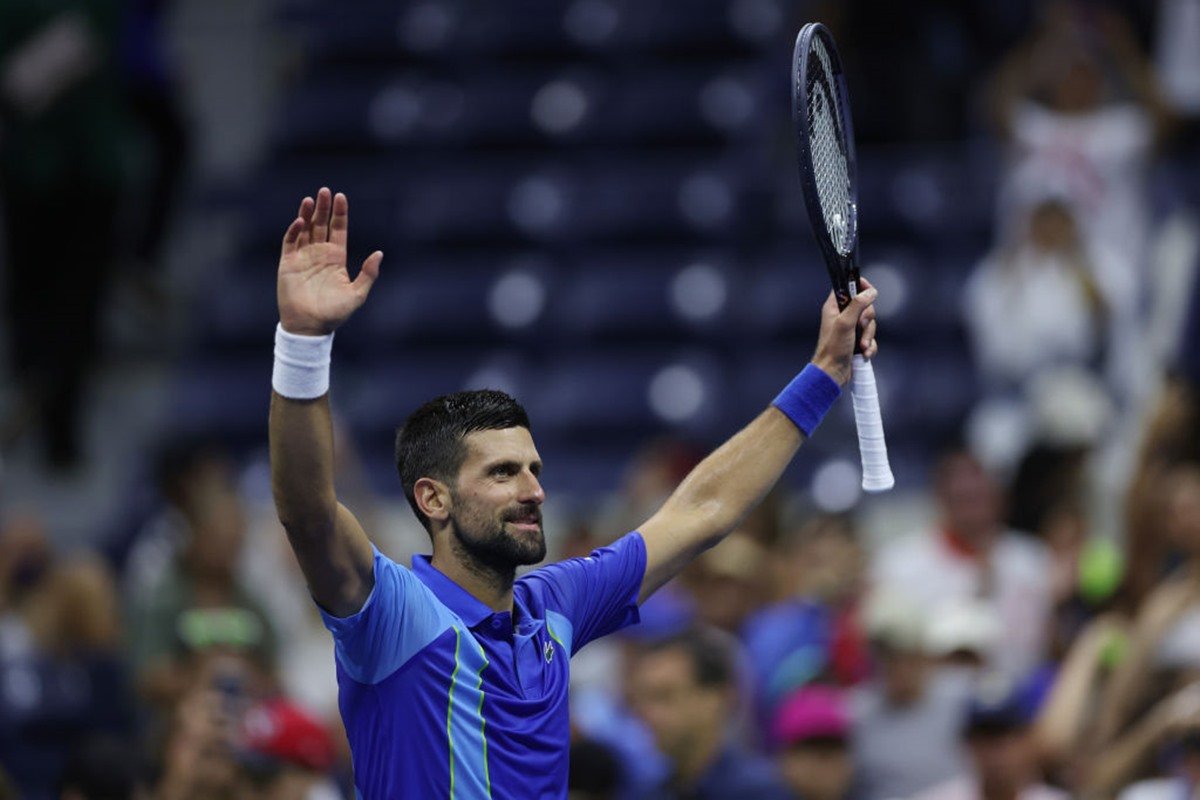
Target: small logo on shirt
[[549, 651]]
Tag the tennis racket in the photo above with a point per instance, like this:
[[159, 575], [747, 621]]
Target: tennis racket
[[825, 149]]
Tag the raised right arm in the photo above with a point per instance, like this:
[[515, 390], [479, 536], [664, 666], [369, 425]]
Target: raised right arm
[[316, 295]]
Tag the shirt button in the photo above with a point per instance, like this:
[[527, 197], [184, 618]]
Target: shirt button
[[496, 624]]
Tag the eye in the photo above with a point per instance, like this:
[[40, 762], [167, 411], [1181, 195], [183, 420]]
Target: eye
[[503, 471]]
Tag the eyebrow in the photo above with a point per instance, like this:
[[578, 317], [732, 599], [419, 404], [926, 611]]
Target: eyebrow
[[535, 466]]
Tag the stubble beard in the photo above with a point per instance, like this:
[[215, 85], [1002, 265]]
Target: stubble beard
[[488, 549]]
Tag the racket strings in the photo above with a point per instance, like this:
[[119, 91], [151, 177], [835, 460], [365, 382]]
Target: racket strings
[[827, 144]]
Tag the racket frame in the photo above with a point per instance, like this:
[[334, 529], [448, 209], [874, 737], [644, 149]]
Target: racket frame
[[843, 268]]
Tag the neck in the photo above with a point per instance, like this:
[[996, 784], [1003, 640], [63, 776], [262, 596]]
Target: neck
[[691, 765], [491, 585]]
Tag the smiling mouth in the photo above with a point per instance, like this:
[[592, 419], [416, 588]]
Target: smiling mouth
[[527, 524]]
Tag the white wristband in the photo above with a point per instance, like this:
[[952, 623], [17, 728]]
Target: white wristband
[[301, 365]]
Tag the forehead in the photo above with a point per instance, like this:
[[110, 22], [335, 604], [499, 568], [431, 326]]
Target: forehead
[[507, 443]]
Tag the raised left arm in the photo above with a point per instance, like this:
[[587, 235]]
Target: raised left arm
[[723, 488]]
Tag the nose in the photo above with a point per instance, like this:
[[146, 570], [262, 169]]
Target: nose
[[531, 489]]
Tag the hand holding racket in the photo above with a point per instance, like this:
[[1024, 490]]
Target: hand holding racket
[[825, 149]]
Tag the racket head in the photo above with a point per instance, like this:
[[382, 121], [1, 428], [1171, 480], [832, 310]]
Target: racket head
[[825, 152]]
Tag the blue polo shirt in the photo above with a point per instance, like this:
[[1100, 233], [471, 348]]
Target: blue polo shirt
[[444, 698]]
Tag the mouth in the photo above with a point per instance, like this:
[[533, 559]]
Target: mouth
[[529, 523]]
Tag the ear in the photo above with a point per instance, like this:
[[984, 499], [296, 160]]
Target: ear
[[433, 498]]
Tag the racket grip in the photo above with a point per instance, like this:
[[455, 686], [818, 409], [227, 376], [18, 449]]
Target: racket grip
[[877, 473]]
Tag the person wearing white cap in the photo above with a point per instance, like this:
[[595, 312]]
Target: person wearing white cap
[[906, 719]]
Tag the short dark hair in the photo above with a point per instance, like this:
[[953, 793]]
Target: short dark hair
[[430, 443], [711, 653]]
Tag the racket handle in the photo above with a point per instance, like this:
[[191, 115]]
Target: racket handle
[[877, 474]]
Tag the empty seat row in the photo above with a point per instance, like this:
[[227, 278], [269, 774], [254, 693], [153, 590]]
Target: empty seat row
[[462, 29], [572, 104]]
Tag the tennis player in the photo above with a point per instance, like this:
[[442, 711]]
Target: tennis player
[[452, 675]]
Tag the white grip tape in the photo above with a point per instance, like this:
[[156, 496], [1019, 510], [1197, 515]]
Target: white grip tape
[[877, 474]]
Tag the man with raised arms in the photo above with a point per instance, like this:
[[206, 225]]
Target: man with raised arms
[[453, 675]]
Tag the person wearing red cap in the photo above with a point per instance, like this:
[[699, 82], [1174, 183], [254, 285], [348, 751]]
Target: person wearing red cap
[[812, 730], [285, 754]]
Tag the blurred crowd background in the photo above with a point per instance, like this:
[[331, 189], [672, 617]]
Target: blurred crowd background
[[593, 204]]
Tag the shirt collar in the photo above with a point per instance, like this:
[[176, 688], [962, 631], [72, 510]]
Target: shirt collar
[[469, 609]]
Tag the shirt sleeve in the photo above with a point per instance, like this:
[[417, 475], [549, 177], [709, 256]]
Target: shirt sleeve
[[398, 620], [596, 594]]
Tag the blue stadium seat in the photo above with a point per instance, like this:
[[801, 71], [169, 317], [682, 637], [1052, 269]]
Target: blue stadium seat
[[783, 293], [929, 195], [614, 392], [375, 397], [644, 294], [435, 29], [430, 298]]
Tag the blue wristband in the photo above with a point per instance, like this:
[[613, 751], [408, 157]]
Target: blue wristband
[[808, 397]]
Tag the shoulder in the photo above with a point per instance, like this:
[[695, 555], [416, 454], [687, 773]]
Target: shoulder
[[554, 582]]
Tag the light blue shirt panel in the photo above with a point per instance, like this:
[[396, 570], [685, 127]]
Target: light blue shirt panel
[[400, 618]]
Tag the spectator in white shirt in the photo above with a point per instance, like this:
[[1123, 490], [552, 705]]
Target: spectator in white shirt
[[970, 555]]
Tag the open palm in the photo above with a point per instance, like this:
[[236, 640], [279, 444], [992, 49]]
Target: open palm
[[315, 292]]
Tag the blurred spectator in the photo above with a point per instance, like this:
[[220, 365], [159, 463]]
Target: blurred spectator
[[812, 631], [198, 755], [1082, 108], [199, 605], [726, 582], [1165, 646], [150, 87], [595, 772], [1172, 436], [61, 676], [1002, 752], [1041, 300], [190, 475], [601, 709], [1065, 728], [285, 754], [1164, 742], [657, 468], [906, 720], [970, 555], [686, 690], [61, 159], [811, 732]]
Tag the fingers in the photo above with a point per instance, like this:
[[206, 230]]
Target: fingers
[[866, 343], [861, 302], [305, 216], [368, 274], [291, 237], [866, 318], [340, 223], [320, 219], [830, 309]]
